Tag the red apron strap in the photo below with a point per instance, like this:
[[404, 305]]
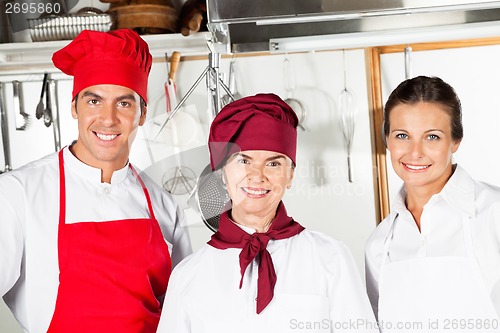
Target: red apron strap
[[62, 190], [146, 193]]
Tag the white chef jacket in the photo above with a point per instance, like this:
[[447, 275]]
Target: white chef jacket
[[442, 231], [29, 218], [318, 289]]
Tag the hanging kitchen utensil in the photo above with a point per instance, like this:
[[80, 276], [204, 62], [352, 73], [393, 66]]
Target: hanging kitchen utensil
[[408, 51], [348, 112], [54, 107], [234, 94], [294, 103], [40, 107], [4, 125], [22, 117], [211, 74], [181, 179], [170, 87], [210, 198], [47, 113]]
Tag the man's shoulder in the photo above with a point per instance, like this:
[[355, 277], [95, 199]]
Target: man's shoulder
[[41, 168]]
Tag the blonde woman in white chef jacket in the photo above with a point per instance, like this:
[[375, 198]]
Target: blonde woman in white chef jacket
[[86, 244], [433, 264], [263, 272]]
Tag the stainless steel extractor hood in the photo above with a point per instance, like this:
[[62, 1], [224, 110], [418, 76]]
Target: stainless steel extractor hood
[[271, 25]]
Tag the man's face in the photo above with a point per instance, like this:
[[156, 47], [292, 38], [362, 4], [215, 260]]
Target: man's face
[[108, 117]]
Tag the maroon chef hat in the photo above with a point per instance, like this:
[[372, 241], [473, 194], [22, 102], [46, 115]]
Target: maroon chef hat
[[118, 57], [260, 122]]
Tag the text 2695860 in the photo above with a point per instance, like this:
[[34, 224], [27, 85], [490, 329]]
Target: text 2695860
[[32, 8]]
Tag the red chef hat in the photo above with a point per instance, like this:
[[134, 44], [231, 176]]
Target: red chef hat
[[260, 122], [118, 57]]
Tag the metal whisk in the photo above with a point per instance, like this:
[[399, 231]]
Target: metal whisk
[[348, 112]]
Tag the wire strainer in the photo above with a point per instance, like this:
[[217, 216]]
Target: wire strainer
[[210, 197], [179, 180]]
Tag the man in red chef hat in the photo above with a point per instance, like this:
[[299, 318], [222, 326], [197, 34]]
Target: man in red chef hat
[[262, 271], [86, 244]]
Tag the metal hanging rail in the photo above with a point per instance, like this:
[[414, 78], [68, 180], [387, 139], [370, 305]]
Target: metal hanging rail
[[214, 83]]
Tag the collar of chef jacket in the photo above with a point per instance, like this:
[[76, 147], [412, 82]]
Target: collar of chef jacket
[[459, 192], [93, 175]]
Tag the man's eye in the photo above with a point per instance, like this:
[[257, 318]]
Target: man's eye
[[243, 161], [93, 101], [274, 163], [124, 104]]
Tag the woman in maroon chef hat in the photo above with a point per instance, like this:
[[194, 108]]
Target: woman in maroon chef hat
[[262, 271]]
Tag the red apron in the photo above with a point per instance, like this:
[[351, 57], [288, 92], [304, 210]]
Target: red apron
[[111, 273]]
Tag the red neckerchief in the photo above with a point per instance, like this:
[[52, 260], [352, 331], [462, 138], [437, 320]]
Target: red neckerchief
[[229, 235]]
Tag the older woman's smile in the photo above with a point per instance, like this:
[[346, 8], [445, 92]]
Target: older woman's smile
[[253, 192]]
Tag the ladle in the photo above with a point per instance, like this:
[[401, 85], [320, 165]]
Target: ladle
[[294, 103], [226, 99]]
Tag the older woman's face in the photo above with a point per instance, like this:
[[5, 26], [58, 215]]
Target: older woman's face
[[421, 144], [256, 180]]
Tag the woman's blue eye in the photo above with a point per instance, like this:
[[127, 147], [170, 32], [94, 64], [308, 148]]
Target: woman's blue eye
[[433, 137], [401, 136]]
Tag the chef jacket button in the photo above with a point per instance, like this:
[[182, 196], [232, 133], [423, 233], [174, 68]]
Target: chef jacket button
[[107, 190]]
